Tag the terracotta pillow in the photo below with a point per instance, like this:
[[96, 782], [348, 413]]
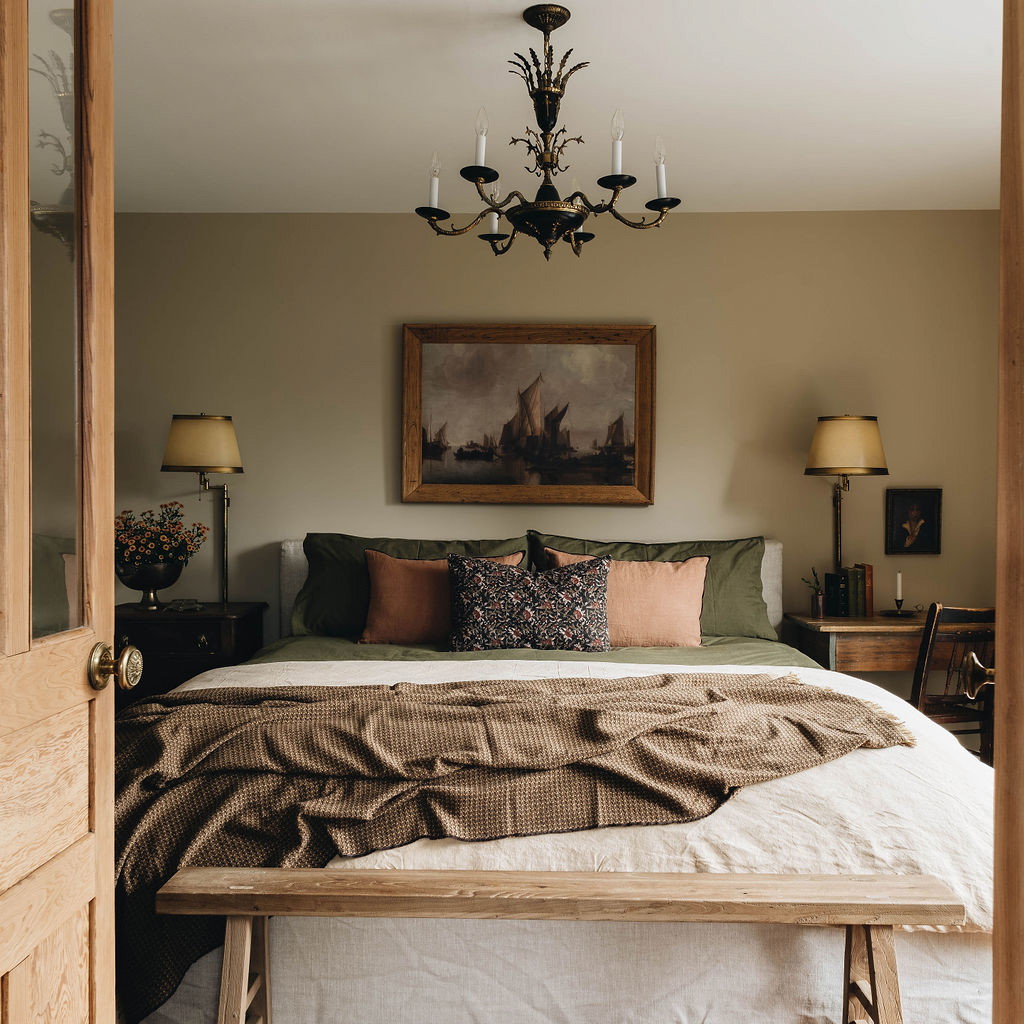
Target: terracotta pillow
[[410, 598], [650, 604]]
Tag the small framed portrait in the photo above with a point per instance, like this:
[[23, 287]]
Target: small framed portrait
[[913, 521]]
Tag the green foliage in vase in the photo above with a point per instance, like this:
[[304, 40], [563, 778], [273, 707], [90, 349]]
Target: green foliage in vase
[[815, 583], [156, 535]]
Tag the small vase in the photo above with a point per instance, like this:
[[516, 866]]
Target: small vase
[[817, 606], [149, 579]]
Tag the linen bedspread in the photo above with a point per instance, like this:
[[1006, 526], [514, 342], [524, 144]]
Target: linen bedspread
[[293, 775]]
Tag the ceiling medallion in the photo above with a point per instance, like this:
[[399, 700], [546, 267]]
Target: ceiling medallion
[[548, 218]]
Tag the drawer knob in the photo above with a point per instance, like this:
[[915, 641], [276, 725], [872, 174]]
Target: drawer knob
[[102, 665], [202, 642]]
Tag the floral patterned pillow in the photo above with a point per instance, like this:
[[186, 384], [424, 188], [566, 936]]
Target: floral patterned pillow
[[502, 606]]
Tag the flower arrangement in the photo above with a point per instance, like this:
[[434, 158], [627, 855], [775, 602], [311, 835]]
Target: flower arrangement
[[156, 535]]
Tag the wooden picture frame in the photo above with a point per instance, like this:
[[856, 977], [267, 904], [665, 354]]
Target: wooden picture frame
[[538, 414], [913, 520]]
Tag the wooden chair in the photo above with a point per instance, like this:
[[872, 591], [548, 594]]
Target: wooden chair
[[948, 686]]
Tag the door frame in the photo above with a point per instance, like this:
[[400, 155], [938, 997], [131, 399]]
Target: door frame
[[41, 678]]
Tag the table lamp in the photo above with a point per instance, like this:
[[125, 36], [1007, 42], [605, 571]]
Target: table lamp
[[845, 446], [205, 444]]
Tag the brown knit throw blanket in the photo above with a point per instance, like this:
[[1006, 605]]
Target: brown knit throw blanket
[[292, 775]]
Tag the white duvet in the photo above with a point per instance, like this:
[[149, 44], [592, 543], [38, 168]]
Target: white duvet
[[901, 810]]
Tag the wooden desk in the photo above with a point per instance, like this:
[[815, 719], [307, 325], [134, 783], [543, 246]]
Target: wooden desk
[[878, 644]]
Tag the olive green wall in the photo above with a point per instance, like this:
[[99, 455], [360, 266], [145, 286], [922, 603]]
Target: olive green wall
[[292, 324]]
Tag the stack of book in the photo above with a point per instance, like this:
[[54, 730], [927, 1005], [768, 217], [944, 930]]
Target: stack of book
[[849, 591]]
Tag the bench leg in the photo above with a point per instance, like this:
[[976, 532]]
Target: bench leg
[[871, 989], [245, 950]]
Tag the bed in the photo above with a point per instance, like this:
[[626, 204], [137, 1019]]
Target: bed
[[901, 809]]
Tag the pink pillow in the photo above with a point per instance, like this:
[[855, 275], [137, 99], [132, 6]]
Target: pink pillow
[[410, 599], [650, 604]]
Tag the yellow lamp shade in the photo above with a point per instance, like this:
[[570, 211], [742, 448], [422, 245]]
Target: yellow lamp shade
[[202, 444], [846, 446]]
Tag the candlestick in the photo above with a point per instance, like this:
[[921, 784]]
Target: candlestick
[[492, 218], [481, 137], [659, 166], [435, 180], [618, 130], [899, 586]]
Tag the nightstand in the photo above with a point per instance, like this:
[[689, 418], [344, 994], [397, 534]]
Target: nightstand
[[878, 644], [178, 645]]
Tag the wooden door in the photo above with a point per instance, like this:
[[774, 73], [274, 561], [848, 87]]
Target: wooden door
[[56, 514]]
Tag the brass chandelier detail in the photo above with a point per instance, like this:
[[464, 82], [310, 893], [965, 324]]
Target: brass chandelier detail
[[547, 218]]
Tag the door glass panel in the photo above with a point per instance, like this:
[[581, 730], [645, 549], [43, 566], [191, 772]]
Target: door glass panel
[[55, 587]]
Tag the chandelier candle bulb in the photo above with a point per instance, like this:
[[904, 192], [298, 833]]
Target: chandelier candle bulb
[[492, 217], [659, 166], [618, 130], [481, 137], [435, 181]]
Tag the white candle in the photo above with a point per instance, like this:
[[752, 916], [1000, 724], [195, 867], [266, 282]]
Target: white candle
[[435, 181], [481, 137], [492, 217], [618, 130], [659, 166], [899, 586]]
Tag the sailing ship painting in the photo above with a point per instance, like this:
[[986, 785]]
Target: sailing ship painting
[[518, 414]]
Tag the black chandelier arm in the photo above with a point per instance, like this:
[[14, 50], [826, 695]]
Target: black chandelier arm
[[492, 205], [500, 249], [580, 199], [641, 224], [534, 150], [457, 231], [557, 148]]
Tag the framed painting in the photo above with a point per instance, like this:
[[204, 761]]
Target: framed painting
[[913, 521], [542, 414]]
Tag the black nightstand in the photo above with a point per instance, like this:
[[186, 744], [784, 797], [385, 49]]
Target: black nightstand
[[178, 645]]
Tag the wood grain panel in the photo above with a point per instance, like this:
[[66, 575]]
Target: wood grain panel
[[36, 906], [44, 778], [562, 895], [59, 680], [15, 356], [1008, 938], [51, 986]]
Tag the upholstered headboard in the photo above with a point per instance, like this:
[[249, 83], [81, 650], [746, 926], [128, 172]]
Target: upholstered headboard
[[293, 575]]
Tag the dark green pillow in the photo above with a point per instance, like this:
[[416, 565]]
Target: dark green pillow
[[733, 596], [336, 595]]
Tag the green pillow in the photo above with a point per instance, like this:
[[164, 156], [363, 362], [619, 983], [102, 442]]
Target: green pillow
[[336, 595], [733, 598]]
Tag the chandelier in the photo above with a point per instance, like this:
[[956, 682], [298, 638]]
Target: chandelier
[[547, 218]]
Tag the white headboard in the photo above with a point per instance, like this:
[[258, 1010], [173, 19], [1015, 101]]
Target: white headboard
[[293, 575]]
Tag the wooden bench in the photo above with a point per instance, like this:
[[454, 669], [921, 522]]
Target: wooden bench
[[868, 906]]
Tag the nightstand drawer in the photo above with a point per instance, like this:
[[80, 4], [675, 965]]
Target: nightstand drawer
[[178, 637]]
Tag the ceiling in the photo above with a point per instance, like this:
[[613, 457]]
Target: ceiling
[[337, 105]]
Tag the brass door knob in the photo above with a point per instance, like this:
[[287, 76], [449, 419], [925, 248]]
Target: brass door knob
[[975, 676], [102, 665]]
